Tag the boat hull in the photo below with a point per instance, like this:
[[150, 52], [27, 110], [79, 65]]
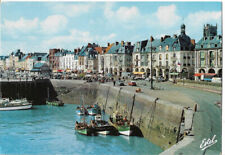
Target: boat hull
[[22, 107], [104, 132], [86, 131]]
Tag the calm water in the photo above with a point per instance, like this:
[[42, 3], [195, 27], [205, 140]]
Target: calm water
[[50, 130]]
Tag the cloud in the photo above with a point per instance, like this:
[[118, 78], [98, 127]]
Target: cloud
[[166, 16], [19, 26], [75, 38], [122, 14], [197, 19], [194, 22], [53, 24], [71, 10]]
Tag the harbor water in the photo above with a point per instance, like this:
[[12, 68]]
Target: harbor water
[[50, 130]]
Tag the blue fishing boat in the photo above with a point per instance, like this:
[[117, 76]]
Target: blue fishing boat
[[94, 110], [81, 110]]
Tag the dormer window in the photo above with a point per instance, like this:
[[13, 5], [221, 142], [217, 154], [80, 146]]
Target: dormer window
[[201, 46], [215, 45], [167, 47]]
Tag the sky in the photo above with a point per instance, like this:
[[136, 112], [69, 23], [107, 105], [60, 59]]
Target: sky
[[39, 26]]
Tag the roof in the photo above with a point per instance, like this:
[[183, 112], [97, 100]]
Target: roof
[[108, 48], [118, 48], [99, 50], [38, 65], [209, 42], [3, 57]]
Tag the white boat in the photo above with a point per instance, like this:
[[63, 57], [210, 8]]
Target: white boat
[[23, 104]]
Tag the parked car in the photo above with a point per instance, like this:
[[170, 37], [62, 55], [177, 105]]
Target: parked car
[[160, 79], [120, 83], [132, 83], [89, 80]]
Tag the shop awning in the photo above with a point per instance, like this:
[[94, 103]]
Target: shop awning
[[59, 70], [207, 74], [139, 73], [68, 70]]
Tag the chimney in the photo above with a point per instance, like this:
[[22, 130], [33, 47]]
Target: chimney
[[161, 40], [128, 43], [122, 43], [108, 44], [174, 36], [192, 41], [117, 43]]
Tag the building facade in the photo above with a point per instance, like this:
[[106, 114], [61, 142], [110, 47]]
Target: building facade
[[118, 58], [208, 53], [170, 57]]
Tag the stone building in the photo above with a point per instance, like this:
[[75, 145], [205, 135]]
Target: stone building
[[208, 53], [171, 56], [53, 59], [88, 58], [12, 62], [118, 58]]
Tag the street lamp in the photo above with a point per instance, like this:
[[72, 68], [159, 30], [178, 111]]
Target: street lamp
[[151, 40]]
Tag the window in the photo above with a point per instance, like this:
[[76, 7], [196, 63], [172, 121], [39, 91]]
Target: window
[[160, 48], [136, 56], [167, 64], [166, 56], [167, 47], [160, 56], [201, 46], [160, 63], [174, 54], [215, 45]]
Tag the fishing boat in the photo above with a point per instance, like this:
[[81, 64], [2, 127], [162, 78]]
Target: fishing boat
[[84, 129], [102, 126], [94, 110], [121, 124], [19, 104], [55, 103], [81, 110]]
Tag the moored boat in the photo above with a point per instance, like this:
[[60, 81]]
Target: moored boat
[[94, 110], [85, 129], [22, 104], [123, 126], [55, 103], [81, 110], [102, 126]]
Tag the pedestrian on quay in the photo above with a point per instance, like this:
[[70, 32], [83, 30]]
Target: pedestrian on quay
[[114, 82]]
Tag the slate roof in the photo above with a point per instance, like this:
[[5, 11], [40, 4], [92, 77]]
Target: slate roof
[[38, 65], [3, 57], [214, 42], [120, 49]]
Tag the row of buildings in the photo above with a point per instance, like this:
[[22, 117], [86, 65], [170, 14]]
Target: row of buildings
[[167, 57]]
